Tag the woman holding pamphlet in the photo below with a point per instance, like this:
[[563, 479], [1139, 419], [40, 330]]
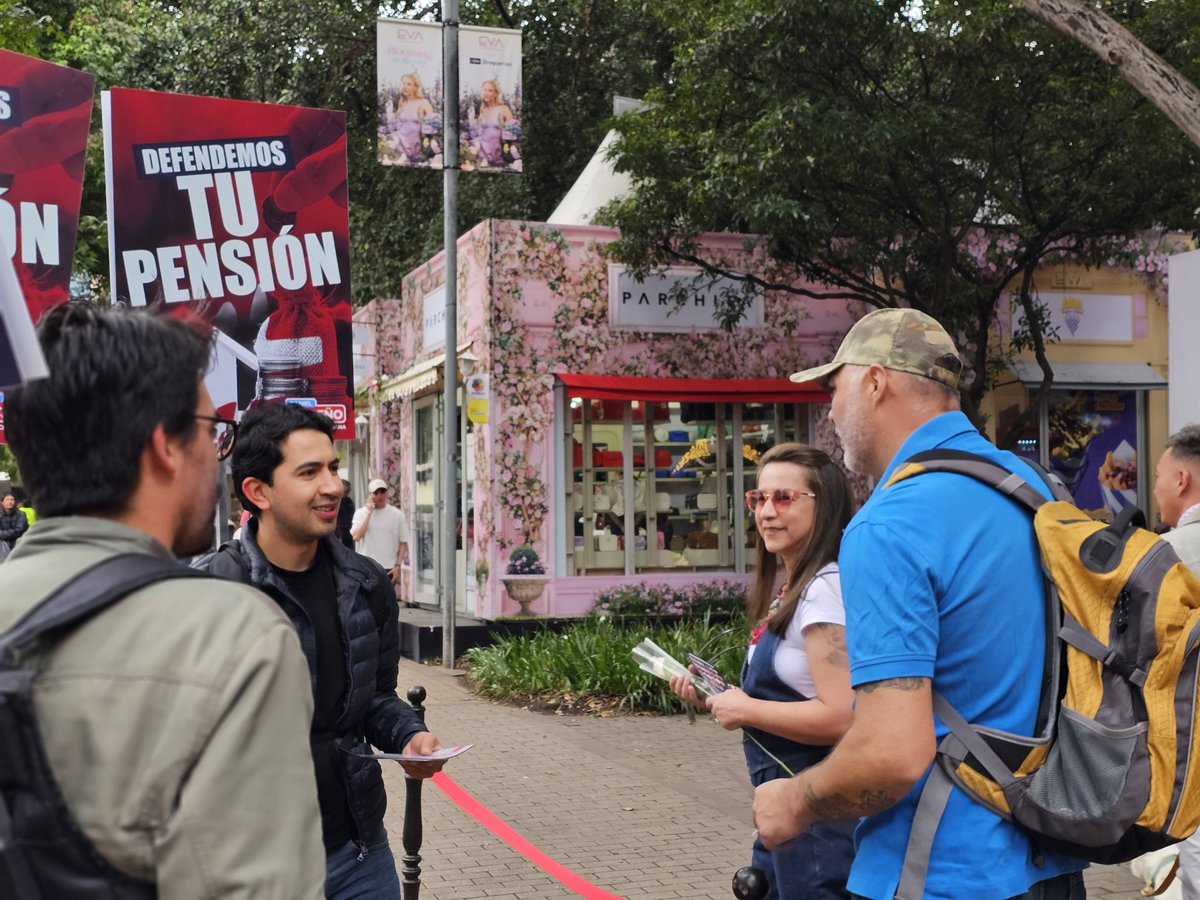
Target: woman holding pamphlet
[[795, 699]]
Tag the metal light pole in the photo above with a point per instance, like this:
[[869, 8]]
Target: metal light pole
[[450, 389]]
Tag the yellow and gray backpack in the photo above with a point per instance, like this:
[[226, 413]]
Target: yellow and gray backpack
[[1110, 771]]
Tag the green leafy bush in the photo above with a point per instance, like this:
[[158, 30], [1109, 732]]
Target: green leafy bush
[[722, 597], [590, 664]]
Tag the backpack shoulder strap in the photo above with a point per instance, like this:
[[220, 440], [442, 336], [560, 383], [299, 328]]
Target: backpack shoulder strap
[[973, 466], [90, 592]]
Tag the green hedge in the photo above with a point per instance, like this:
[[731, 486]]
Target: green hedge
[[590, 663]]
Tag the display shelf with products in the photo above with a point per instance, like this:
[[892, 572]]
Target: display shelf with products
[[668, 480]]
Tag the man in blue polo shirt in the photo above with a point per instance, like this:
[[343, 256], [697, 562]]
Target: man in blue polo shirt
[[943, 589]]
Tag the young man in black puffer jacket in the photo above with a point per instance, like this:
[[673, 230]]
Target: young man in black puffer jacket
[[285, 471]]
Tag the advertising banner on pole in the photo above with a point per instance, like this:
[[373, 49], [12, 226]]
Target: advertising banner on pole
[[490, 98], [410, 99], [45, 114], [240, 209]]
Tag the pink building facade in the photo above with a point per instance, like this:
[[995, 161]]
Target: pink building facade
[[603, 423]]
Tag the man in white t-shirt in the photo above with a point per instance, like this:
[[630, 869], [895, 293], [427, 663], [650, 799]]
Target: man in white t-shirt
[[380, 531]]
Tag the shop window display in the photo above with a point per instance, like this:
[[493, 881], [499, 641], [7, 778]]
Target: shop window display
[[1089, 438], [658, 486]]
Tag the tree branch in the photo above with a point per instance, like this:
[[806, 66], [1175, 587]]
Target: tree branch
[[1152, 76]]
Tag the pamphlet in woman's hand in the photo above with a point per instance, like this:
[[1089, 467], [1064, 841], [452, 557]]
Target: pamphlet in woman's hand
[[436, 756], [659, 663], [708, 672]]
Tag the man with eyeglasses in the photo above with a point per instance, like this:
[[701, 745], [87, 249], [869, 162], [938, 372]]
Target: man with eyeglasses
[[380, 530], [943, 590], [174, 720]]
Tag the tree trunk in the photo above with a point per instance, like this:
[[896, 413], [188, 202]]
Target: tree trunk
[[1152, 76]]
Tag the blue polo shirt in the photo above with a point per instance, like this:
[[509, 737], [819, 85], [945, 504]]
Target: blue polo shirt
[[942, 579]]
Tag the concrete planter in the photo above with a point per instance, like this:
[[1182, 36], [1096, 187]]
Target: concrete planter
[[524, 589]]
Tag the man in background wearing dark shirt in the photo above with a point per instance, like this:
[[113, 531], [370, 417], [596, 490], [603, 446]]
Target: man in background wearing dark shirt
[[285, 471]]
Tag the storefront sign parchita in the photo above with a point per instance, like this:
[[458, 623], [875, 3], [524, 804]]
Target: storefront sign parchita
[[653, 303], [433, 309]]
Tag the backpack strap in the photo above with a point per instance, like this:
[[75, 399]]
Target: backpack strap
[[973, 466], [90, 592], [962, 740]]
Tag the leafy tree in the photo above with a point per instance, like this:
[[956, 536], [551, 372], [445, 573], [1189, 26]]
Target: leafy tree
[[578, 53], [1153, 77], [898, 155]]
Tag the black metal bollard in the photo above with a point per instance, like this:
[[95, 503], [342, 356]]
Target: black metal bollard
[[750, 883], [410, 874]]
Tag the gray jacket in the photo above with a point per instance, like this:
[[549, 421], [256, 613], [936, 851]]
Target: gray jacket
[[176, 723]]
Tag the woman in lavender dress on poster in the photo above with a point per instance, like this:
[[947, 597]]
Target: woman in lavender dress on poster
[[412, 112], [495, 118]]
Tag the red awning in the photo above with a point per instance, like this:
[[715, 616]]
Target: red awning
[[692, 390]]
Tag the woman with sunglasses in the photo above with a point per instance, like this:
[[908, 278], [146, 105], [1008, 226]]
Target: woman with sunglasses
[[795, 699]]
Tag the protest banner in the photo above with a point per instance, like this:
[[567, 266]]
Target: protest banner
[[240, 208], [45, 114]]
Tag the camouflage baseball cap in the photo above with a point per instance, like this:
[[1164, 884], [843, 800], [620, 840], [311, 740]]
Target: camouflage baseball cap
[[906, 340]]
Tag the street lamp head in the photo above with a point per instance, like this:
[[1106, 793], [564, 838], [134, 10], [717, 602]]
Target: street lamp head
[[466, 362]]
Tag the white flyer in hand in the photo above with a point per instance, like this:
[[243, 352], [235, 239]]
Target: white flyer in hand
[[436, 756]]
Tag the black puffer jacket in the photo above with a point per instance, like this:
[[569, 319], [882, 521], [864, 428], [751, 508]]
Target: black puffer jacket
[[368, 613], [12, 526]]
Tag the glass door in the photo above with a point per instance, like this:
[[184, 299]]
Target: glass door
[[425, 492]]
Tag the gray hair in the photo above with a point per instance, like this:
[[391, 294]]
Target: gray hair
[[931, 392]]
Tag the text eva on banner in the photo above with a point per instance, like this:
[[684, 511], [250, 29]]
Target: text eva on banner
[[409, 82], [242, 207], [490, 99]]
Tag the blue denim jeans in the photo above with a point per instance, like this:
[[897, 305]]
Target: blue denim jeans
[[355, 874], [813, 866]]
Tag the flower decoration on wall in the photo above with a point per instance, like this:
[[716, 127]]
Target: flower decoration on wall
[[524, 560]]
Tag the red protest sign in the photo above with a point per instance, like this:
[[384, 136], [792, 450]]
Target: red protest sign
[[243, 207], [45, 113]]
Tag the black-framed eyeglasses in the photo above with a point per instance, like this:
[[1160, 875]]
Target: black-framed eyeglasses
[[226, 435]]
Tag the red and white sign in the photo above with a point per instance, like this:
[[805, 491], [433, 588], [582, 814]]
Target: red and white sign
[[240, 207], [45, 113]]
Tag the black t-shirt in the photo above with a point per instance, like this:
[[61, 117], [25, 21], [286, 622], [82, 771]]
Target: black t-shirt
[[316, 591]]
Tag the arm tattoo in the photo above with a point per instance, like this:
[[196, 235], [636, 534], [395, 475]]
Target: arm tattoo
[[835, 637], [838, 807], [896, 684]]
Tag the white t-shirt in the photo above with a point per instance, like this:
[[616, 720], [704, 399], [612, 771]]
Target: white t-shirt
[[386, 531], [821, 604]]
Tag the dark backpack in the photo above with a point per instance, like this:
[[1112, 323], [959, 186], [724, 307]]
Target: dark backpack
[[44, 854], [1110, 770]]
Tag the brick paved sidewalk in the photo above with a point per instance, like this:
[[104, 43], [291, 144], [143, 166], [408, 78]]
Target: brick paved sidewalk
[[647, 808]]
